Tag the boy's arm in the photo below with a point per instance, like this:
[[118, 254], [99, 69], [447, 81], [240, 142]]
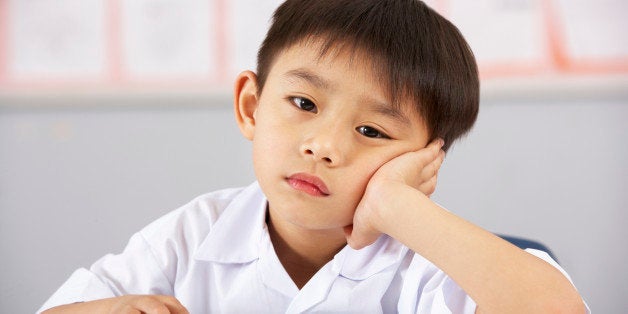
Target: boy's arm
[[498, 276]]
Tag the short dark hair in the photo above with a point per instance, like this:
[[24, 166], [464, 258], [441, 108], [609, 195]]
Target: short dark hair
[[416, 52]]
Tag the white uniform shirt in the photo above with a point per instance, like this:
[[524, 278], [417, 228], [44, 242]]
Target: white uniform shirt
[[215, 255]]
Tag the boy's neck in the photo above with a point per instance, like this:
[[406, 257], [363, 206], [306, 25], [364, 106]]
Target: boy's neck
[[303, 253]]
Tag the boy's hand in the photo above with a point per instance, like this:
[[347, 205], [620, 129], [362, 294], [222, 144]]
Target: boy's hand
[[417, 170], [158, 304], [149, 304]]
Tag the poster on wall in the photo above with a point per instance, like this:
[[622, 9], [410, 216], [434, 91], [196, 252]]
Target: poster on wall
[[599, 45], [509, 39], [180, 45], [54, 40], [167, 39]]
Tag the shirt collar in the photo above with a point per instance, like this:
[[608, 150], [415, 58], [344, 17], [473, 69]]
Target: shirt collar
[[236, 237], [375, 258]]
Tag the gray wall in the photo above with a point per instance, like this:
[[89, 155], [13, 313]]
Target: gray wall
[[79, 175]]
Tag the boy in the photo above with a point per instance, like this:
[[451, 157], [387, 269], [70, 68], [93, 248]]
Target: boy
[[350, 112]]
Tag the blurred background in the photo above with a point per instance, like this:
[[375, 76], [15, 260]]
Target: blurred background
[[114, 112]]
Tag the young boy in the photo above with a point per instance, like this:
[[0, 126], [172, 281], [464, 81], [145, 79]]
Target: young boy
[[350, 112]]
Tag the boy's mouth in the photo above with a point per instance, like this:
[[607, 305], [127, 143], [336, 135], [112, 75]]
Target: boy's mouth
[[309, 184]]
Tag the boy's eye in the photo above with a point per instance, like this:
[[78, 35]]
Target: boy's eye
[[304, 104], [370, 132]]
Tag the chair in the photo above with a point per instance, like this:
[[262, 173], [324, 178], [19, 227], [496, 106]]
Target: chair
[[523, 244]]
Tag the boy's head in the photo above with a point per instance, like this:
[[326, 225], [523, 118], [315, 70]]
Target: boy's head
[[415, 53]]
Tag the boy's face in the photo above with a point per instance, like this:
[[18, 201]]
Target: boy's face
[[320, 129]]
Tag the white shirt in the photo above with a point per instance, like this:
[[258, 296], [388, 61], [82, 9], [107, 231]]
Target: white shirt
[[215, 256]]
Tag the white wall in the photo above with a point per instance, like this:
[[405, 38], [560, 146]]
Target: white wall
[[79, 176]]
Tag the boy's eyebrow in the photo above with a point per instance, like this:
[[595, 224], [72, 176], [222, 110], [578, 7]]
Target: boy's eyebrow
[[310, 77], [371, 104], [388, 110]]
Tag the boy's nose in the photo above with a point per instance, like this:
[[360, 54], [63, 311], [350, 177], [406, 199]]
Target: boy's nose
[[317, 156], [325, 148]]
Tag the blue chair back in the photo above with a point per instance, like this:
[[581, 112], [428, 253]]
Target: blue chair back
[[523, 244]]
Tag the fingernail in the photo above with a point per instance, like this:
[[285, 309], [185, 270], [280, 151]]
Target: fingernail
[[441, 142]]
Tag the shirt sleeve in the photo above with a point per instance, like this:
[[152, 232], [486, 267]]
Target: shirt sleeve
[[427, 289], [443, 295], [134, 271]]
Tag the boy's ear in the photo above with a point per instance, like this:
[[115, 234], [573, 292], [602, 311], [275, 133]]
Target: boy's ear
[[246, 102]]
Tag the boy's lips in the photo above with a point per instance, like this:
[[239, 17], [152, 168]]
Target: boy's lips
[[309, 184]]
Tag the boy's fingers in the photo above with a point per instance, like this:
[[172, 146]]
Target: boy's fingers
[[416, 167], [436, 145], [429, 175], [429, 187], [433, 167], [431, 151], [358, 238], [127, 309], [149, 305], [422, 159], [158, 304], [361, 233], [173, 304]]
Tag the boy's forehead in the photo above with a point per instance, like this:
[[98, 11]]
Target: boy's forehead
[[315, 57], [328, 69]]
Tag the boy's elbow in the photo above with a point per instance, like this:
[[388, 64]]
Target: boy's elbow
[[571, 303], [560, 296]]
